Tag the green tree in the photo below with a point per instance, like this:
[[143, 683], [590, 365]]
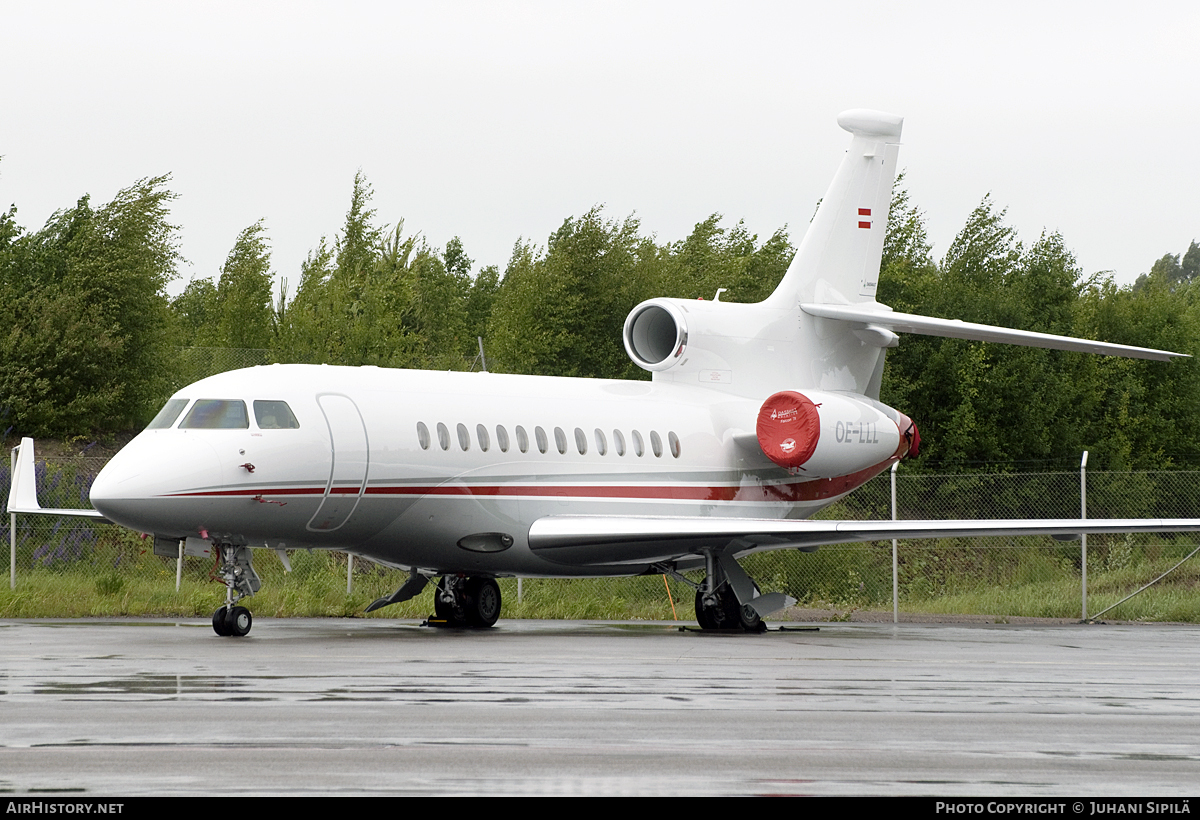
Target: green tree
[[87, 344], [712, 257], [244, 293], [1144, 410], [561, 313], [979, 402], [196, 312], [480, 299], [378, 297]]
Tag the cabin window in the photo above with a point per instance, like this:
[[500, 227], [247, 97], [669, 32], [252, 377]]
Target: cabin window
[[639, 448], [443, 436], [560, 440], [542, 442], [274, 415], [464, 437], [481, 435], [619, 442], [422, 435], [601, 442], [217, 414], [673, 443], [501, 438], [656, 444], [581, 441], [166, 416], [522, 439]]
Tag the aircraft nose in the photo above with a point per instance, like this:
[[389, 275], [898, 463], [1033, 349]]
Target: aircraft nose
[[134, 487]]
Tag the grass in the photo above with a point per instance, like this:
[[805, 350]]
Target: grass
[[1176, 598], [111, 576], [317, 588]]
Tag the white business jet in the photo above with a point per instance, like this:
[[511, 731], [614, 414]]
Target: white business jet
[[757, 416]]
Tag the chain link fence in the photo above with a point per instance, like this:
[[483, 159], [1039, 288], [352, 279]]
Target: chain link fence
[[196, 363], [69, 564]]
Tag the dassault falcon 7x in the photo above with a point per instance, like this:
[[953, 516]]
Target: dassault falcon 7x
[[757, 416]]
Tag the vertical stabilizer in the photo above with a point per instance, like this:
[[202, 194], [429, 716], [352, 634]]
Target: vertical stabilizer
[[838, 259]]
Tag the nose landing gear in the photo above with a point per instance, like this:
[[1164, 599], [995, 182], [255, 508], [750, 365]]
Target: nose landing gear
[[241, 581], [232, 621]]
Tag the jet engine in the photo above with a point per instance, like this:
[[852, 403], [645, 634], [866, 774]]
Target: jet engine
[[656, 334], [830, 434]]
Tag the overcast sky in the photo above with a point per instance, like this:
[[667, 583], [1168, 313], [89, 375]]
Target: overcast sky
[[493, 121]]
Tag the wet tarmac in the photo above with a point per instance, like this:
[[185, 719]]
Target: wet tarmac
[[337, 706]]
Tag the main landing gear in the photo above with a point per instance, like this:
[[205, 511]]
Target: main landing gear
[[722, 611], [457, 601], [729, 599], [462, 601], [241, 581]]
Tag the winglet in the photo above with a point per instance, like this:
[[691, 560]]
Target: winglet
[[22, 491]]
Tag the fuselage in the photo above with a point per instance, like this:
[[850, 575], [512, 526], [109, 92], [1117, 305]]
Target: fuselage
[[446, 471]]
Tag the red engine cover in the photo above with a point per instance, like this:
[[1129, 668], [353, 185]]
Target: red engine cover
[[788, 428]]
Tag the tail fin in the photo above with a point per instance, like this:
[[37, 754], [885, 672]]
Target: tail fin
[[838, 259]]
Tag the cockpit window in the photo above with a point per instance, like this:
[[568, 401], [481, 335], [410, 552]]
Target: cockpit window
[[217, 414], [274, 415], [166, 416]]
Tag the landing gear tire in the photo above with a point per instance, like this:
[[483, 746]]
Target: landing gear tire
[[750, 620], [238, 622], [718, 616], [483, 602], [473, 601], [218, 622], [727, 613]]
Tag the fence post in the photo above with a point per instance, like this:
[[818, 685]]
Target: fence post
[[349, 572], [12, 525], [1083, 516], [895, 563]]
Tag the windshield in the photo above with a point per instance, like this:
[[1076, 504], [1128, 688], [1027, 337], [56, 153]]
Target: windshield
[[166, 416], [217, 414]]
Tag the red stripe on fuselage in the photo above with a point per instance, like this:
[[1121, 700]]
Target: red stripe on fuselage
[[813, 490]]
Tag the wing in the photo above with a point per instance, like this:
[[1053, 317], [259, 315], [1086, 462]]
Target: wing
[[587, 540], [22, 492]]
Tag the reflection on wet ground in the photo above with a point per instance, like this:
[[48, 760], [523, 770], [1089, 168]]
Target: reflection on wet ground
[[330, 706]]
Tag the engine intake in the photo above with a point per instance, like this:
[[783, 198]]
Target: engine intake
[[655, 335]]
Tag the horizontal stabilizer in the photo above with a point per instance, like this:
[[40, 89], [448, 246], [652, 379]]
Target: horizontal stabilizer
[[873, 313], [22, 491], [586, 540]]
